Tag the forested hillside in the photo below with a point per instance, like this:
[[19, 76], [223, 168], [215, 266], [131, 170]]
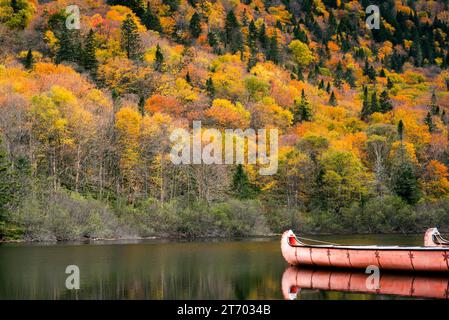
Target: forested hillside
[[86, 115]]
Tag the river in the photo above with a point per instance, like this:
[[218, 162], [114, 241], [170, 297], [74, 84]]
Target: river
[[158, 269]]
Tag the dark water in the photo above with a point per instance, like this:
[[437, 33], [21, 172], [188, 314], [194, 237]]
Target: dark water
[[237, 269]]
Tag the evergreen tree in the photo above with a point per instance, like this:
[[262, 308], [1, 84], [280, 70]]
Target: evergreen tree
[[67, 48], [241, 185], [210, 88], [188, 79], [350, 78], [173, 4], [158, 59], [385, 104], [29, 60], [401, 130], [371, 73], [195, 25], [303, 111], [382, 73], [15, 6], [6, 192], [434, 108], [328, 87], [263, 38], [90, 59], [443, 117], [130, 39], [333, 99], [429, 122], [321, 85], [404, 182], [234, 38], [366, 107], [151, 20], [374, 106], [273, 52], [141, 105], [338, 76], [389, 83], [252, 35]]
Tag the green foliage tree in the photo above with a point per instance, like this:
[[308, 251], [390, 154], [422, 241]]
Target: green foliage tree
[[90, 59], [429, 122], [241, 185], [67, 50], [159, 59], [366, 107], [233, 33], [401, 130], [385, 104], [130, 39], [303, 111], [273, 51], [195, 25], [404, 181], [151, 20], [210, 88], [333, 99], [29, 60]]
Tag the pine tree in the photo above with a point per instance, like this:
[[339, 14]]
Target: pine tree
[[263, 38], [150, 20], [130, 39], [401, 130], [141, 105], [210, 88], [15, 6], [374, 106], [350, 78], [252, 34], [321, 85], [366, 107], [443, 117], [434, 108], [66, 50], [158, 59], [338, 76], [241, 185], [29, 60], [195, 25], [385, 104], [389, 83], [333, 99], [188, 79], [6, 191], [303, 111], [273, 52], [328, 87], [382, 73], [429, 122], [90, 59], [404, 182], [234, 38]]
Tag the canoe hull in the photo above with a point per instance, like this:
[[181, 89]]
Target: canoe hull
[[420, 259], [407, 285]]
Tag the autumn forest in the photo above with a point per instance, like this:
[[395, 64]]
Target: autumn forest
[[86, 115]]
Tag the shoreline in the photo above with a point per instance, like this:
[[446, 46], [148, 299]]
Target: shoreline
[[189, 238]]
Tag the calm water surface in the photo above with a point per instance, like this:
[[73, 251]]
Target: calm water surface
[[212, 269]]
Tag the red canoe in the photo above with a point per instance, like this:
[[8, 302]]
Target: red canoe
[[408, 285], [433, 257]]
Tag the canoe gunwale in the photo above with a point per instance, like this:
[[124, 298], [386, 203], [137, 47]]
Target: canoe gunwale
[[299, 244]]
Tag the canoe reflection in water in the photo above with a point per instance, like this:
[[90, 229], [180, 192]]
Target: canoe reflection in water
[[406, 285]]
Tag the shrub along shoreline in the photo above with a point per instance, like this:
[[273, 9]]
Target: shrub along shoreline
[[69, 216]]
